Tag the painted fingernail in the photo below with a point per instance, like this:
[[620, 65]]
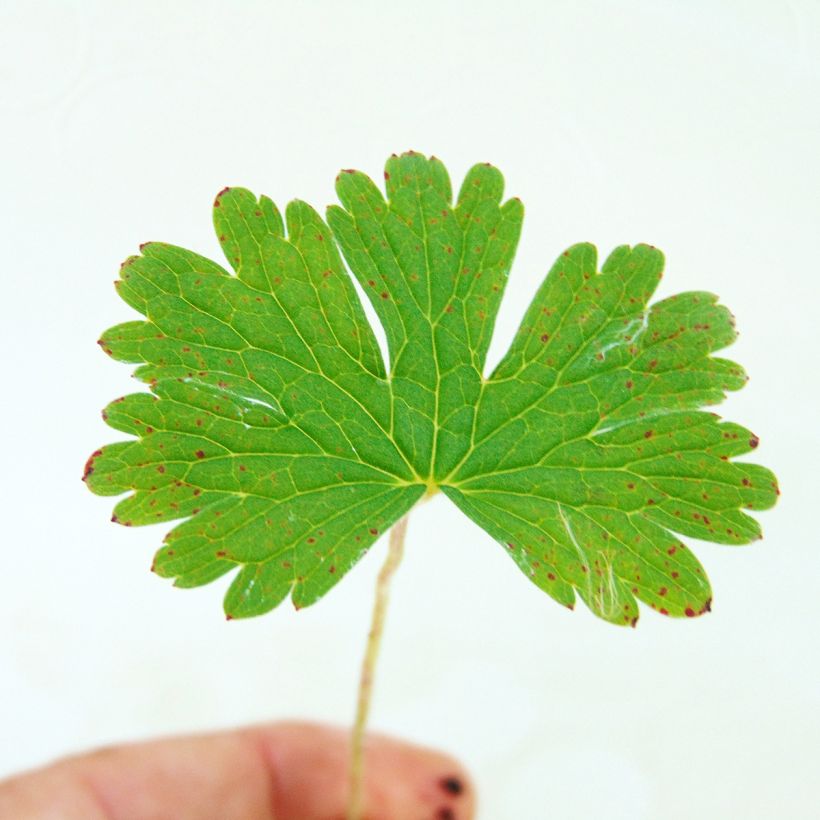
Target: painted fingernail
[[452, 785]]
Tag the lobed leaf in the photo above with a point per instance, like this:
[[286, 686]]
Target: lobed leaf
[[278, 434]]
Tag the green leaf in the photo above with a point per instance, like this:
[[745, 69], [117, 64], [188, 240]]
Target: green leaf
[[275, 430]]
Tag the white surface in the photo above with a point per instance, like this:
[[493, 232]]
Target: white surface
[[690, 125]]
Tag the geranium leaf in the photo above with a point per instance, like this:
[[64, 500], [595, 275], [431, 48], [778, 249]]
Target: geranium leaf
[[274, 428]]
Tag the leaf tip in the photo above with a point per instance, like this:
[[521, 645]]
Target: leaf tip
[[219, 196], [89, 464]]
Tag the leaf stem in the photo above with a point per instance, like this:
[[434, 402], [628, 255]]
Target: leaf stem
[[357, 736]]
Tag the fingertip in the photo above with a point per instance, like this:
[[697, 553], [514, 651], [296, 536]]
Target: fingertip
[[309, 768]]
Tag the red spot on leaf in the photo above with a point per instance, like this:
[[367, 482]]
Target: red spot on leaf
[[89, 465]]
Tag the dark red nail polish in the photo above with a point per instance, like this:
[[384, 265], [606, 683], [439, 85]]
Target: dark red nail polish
[[452, 785]]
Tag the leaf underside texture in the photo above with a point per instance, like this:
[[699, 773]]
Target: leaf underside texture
[[274, 429]]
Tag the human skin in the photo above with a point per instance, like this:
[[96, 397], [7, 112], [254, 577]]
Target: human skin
[[281, 771]]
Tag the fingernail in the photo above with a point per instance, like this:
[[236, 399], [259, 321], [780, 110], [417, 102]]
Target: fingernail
[[452, 785]]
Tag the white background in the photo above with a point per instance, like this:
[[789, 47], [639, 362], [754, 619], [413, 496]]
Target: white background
[[691, 125]]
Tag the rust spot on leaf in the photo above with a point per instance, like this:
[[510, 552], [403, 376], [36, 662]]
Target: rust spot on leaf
[[89, 465]]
